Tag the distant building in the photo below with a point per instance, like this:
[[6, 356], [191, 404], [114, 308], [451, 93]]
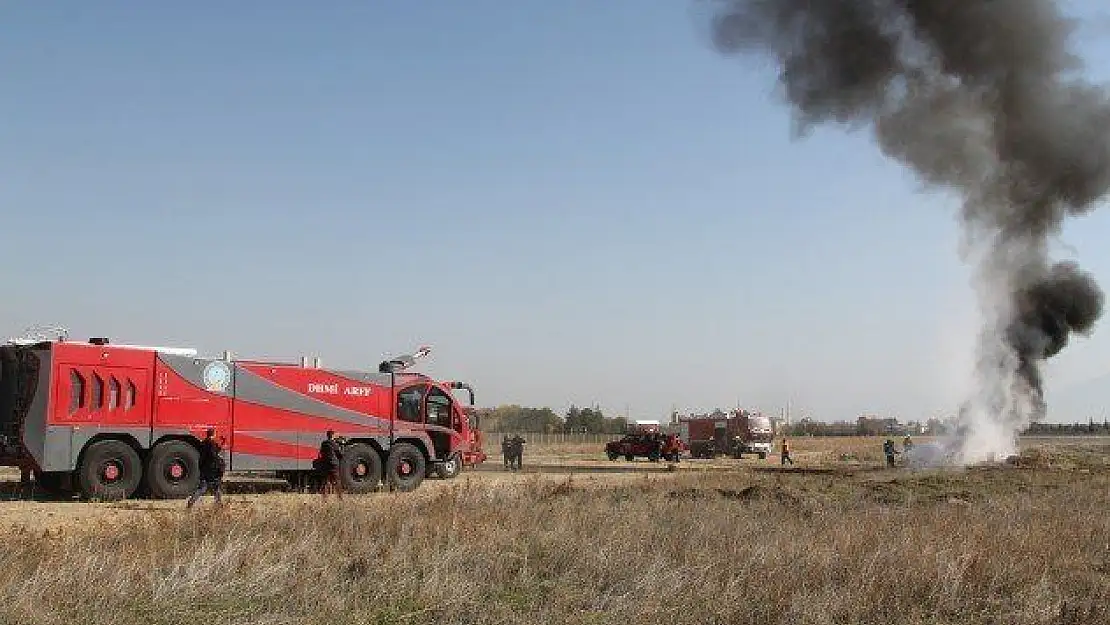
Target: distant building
[[874, 426]]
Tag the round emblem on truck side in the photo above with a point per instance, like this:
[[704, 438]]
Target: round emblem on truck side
[[217, 376]]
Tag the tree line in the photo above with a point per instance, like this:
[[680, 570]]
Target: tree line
[[1090, 428], [526, 419]]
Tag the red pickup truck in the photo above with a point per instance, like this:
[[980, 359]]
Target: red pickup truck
[[650, 445]]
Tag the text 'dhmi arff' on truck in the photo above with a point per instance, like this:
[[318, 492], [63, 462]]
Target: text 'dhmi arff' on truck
[[119, 420]]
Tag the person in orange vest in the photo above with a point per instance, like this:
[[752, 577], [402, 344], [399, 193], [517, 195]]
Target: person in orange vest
[[785, 452]]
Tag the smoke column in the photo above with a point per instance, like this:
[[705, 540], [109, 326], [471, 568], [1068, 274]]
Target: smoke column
[[979, 97]]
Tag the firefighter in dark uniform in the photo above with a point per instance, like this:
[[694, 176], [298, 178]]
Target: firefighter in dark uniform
[[211, 467], [26, 472], [330, 455], [888, 451], [517, 447]]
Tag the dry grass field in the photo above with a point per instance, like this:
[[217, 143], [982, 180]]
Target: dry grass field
[[835, 539]]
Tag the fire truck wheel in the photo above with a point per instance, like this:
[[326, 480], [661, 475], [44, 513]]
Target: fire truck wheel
[[449, 468], [360, 469], [109, 470], [629, 457], [405, 467], [173, 470], [612, 455]]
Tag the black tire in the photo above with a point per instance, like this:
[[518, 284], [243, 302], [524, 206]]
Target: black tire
[[404, 469], [109, 470], [360, 470], [629, 457], [173, 470], [450, 468], [762, 455], [612, 455]]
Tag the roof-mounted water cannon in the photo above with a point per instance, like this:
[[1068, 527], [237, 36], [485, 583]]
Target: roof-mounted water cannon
[[404, 361]]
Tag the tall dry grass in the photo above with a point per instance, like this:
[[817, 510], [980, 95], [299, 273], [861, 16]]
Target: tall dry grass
[[1015, 547]]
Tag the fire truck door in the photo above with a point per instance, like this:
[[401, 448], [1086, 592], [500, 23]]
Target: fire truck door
[[438, 413]]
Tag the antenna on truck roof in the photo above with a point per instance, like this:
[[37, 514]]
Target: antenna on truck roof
[[40, 334]]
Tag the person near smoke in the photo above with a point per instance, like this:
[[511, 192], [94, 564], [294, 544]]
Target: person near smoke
[[784, 451], [888, 451]]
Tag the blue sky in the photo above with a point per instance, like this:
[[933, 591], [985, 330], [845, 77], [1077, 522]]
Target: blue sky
[[571, 201]]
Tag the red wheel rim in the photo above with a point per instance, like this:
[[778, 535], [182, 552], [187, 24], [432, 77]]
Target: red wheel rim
[[111, 472]]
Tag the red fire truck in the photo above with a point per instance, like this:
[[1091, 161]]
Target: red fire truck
[[734, 434], [113, 421]]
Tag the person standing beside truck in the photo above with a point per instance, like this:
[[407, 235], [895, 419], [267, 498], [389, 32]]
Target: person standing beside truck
[[26, 472], [330, 456], [211, 467]]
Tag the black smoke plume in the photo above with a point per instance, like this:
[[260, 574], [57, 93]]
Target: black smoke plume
[[977, 96]]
